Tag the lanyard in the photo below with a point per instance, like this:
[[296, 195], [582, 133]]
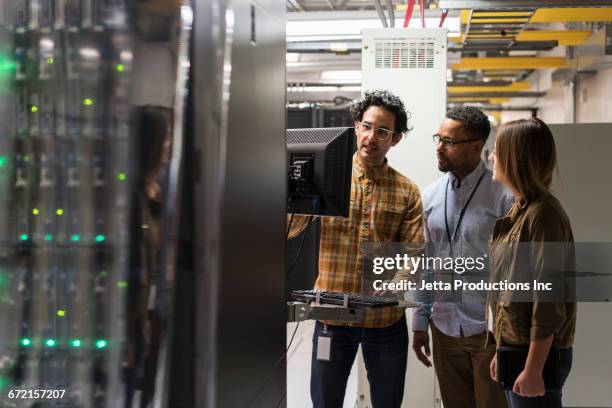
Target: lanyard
[[448, 234]]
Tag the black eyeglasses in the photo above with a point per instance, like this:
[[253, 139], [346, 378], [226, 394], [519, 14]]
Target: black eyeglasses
[[449, 142]]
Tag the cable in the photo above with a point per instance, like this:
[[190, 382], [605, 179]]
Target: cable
[[315, 210], [443, 17], [292, 207], [381, 14], [422, 10], [274, 368], [408, 15]]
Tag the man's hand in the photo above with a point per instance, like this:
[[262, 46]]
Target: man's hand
[[420, 339], [529, 384], [493, 368]]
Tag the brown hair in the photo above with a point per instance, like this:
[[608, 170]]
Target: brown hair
[[526, 153]]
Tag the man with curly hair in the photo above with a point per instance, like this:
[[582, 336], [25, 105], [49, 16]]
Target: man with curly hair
[[460, 210], [385, 206]]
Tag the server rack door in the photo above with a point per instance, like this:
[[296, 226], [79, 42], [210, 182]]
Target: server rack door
[[84, 194]]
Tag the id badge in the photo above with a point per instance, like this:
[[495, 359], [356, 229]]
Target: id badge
[[324, 346]]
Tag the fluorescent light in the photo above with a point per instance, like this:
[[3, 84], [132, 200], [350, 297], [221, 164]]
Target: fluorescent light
[[344, 37], [323, 88], [346, 28], [292, 57], [341, 75]]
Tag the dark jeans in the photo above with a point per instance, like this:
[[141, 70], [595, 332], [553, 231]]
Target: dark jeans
[[385, 353], [552, 399]]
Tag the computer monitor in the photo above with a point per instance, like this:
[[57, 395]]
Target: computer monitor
[[319, 164]]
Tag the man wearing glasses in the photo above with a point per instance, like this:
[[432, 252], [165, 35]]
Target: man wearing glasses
[[385, 207], [460, 210]]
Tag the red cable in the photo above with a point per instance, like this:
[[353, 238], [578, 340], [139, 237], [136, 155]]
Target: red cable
[[422, 14], [443, 17], [408, 15]]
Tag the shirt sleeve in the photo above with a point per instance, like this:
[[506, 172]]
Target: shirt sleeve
[[411, 233], [298, 224], [422, 314], [549, 254]]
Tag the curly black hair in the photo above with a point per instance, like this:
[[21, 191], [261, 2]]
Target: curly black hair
[[474, 122], [388, 102]]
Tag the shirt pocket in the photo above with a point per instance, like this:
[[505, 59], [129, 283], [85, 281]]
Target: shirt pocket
[[387, 219], [479, 228]]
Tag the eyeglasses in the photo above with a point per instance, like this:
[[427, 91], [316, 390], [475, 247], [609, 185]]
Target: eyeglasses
[[379, 133], [449, 142]]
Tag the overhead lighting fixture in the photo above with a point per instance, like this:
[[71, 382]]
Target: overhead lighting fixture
[[292, 57], [349, 88], [329, 30], [342, 75]]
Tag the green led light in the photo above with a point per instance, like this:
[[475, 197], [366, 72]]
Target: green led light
[[48, 237], [75, 238], [100, 238], [23, 237], [75, 343], [88, 102], [122, 284], [120, 68], [59, 211], [50, 61], [61, 313], [50, 342], [34, 109], [4, 382], [121, 176], [103, 274], [25, 342], [35, 211], [100, 344], [26, 158], [2, 161]]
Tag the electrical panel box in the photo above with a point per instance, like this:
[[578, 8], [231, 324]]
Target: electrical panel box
[[411, 63]]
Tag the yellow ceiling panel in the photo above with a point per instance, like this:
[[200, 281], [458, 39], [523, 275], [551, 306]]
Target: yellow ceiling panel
[[515, 86], [549, 15], [507, 63], [489, 100], [499, 20], [564, 37], [501, 14]]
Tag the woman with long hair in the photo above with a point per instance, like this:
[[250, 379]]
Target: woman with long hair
[[524, 159]]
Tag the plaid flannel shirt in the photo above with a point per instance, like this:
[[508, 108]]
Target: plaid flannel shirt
[[385, 207]]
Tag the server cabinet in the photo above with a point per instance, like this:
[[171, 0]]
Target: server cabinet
[[84, 202], [239, 97]]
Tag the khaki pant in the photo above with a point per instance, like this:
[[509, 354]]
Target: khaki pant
[[462, 367]]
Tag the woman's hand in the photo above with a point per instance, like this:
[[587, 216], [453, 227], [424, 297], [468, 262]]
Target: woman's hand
[[493, 368], [529, 384]]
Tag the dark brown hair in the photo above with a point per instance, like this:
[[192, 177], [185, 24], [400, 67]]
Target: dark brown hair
[[526, 153]]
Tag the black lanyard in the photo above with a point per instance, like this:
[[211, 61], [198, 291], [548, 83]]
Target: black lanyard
[[448, 234]]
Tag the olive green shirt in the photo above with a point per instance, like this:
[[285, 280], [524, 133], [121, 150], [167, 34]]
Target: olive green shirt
[[538, 223]]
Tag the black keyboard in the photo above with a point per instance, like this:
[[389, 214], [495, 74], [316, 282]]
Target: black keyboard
[[335, 298]]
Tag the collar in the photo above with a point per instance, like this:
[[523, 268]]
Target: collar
[[471, 179], [362, 171]]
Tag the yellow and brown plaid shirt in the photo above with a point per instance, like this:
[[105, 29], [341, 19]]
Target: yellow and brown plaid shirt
[[385, 207]]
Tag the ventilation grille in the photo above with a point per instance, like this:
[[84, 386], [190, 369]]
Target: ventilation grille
[[405, 54], [323, 135]]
